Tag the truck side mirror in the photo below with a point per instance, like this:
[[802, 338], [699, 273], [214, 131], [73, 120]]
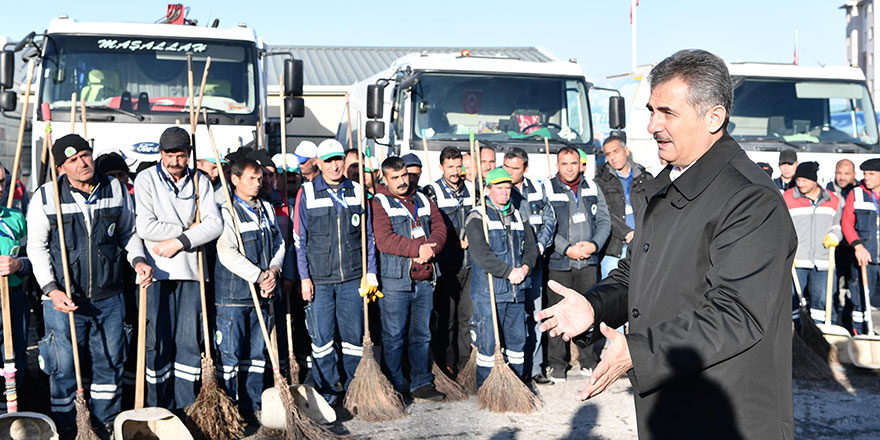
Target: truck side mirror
[[8, 100], [616, 112], [7, 69], [374, 129], [294, 107], [375, 98], [293, 77]]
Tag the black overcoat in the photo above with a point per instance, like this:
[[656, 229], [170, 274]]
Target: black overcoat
[[706, 287]]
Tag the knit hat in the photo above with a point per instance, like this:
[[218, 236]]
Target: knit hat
[[110, 162], [807, 170], [497, 175], [68, 145]]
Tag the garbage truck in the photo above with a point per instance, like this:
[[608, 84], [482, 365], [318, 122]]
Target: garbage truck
[[431, 101], [133, 81]]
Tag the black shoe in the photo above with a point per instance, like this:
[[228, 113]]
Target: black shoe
[[541, 379], [428, 392]]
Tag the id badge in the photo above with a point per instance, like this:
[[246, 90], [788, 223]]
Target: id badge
[[578, 217], [418, 232], [629, 210], [535, 219]]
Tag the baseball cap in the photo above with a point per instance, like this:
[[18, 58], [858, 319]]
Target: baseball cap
[[583, 155], [787, 156], [174, 139], [292, 162], [262, 157], [329, 149], [870, 165], [497, 175], [411, 160], [305, 151]]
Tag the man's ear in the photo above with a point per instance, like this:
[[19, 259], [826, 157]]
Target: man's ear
[[715, 118]]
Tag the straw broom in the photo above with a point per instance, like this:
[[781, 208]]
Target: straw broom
[[8, 351], [453, 391], [84, 429], [812, 336], [213, 414], [467, 377], [502, 391], [298, 425], [370, 395]]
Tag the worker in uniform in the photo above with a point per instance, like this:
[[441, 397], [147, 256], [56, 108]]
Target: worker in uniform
[[816, 214], [166, 221], [531, 201], [14, 265], [508, 255], [328, 255], [98, 225], [861, 227], [409, 233], [582, 227], [454, 197], [239, 339]]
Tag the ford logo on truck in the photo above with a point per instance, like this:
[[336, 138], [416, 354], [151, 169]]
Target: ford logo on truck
[[146, 147]]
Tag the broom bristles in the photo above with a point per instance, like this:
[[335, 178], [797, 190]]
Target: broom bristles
[[467, 377], [370, 396], [298, 425], [84, 429], [806, 364], [815, 339], [503, 391], [213, 415], [453, 391], [294, 368]]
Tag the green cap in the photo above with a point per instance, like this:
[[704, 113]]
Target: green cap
[[583, 155], [498, 175]]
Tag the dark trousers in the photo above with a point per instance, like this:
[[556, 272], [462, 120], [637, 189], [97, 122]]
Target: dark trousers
[[558, 351], [451, 343]]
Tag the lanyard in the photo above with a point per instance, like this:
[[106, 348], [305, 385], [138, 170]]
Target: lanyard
[[411, 216], [449, 190], [337, 199], [262, 215], [874, 199], [170, 184], [577, 201]]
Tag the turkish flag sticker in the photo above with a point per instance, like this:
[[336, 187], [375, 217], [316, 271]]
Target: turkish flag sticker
[[472, 101]]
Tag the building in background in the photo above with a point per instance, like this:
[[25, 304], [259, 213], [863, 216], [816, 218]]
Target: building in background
[[860, 42]]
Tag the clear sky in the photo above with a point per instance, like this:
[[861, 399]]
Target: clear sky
[[596, 32]]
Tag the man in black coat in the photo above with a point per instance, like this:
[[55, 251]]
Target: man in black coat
[[705, 284]]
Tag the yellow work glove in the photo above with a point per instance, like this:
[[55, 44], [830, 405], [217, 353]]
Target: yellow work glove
[[370, 288], [830, 241]]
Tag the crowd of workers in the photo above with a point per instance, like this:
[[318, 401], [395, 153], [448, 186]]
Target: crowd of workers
[[431, 253]]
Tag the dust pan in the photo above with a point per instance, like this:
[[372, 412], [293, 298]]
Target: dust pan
[[27, 425], [149, 424], [306, 398], [836, 335], [864, 350]]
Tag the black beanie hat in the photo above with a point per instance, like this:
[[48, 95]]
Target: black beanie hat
[[110, 162], [807, 170], [68, 145]]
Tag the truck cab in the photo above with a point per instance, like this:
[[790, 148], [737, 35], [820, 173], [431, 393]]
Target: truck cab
[[443, 99]]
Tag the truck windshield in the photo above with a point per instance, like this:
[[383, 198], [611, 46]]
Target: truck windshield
[[147, 75], [803, 111], [500, 108]]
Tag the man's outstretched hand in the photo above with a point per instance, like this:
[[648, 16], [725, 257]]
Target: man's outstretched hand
[[569, 317], [615, 362]]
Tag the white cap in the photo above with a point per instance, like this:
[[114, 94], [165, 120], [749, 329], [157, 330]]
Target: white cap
[[306, 150], [292, 163], [330, 148]]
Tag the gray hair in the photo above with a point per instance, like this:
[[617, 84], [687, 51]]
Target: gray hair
[[705, 74]]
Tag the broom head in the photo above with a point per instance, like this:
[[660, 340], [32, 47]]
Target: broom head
[[503, 391], [294, 368], [815, 339], [453, 391], [213, 415], [370, 395], [806, 364], [298, 425], [84, 429], [467, 377]]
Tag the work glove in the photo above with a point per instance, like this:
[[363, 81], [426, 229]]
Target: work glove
[[830, 241], [370, 288]]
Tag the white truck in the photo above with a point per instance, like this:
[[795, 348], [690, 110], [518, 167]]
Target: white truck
[[133, 79], [504, 102], [825, 114]]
